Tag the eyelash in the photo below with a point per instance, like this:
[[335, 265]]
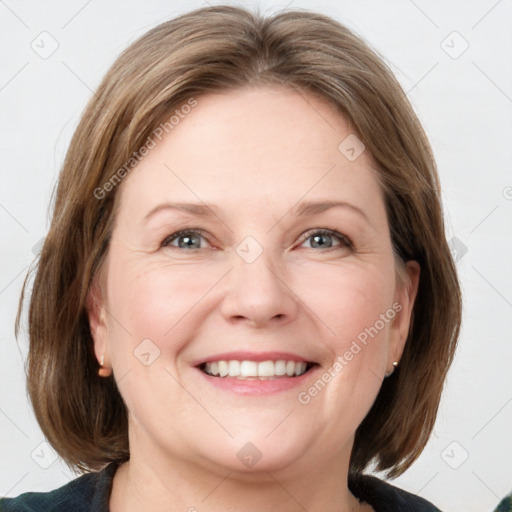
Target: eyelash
[[345, 241]]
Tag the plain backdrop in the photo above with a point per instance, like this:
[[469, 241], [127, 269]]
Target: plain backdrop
[[454, 59]]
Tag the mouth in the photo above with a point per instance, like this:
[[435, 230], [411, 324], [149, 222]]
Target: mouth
[[248, 373], [256, 370]]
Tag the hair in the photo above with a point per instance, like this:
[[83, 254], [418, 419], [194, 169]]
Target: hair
[[222, 49]]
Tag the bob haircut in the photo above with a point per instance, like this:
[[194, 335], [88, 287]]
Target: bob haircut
[[221, 49]]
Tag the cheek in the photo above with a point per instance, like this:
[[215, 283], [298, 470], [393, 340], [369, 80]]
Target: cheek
[[151, 322], [348, 301], [349, 304], [154, 302]]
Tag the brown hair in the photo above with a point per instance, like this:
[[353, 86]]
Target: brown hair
[[224, 48]]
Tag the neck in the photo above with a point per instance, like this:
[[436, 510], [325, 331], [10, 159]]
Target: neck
[[155, 480]]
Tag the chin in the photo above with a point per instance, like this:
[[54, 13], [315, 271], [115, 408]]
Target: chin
[[255, 455]]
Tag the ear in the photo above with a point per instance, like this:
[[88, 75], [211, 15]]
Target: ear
[[405, 296], [97, 315]]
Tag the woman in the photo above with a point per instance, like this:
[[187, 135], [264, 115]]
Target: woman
[[246, 297]]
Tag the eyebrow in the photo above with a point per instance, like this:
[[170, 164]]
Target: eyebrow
[[304, 209]]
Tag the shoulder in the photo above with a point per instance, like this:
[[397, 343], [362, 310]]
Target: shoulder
[[384, 497], [505, 504], [87, 493]]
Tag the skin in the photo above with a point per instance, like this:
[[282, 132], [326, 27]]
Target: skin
[[255, 153]]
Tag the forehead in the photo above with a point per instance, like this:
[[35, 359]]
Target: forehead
[[260, 146]]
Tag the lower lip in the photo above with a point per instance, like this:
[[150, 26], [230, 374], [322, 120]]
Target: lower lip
[[255, 386]]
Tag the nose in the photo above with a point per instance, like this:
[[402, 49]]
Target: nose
[[258, 293]]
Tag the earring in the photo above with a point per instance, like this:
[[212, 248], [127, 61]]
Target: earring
[[103, 371], [395, 364]]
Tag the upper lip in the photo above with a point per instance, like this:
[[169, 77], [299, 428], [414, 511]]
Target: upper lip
[[253, 356]]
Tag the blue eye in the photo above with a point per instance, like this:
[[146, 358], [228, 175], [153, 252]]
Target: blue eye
[[191, 239], [319, 235], [321, 238]]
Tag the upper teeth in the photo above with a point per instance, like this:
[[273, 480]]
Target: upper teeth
[[242, 369]]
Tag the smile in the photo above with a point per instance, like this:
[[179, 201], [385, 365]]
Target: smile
[[261, 370]]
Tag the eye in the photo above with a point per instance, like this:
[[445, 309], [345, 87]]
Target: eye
[[324, 237], [190, 239]]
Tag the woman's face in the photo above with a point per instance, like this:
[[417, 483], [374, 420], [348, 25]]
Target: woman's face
[[252, 278]]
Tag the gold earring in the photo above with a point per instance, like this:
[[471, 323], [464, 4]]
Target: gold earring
[[103, 371], [395, 364]]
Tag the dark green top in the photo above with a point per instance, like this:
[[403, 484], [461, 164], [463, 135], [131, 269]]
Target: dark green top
[[91, 493], [505, 504]]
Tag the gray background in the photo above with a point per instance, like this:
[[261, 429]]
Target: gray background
[[462, 95]]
